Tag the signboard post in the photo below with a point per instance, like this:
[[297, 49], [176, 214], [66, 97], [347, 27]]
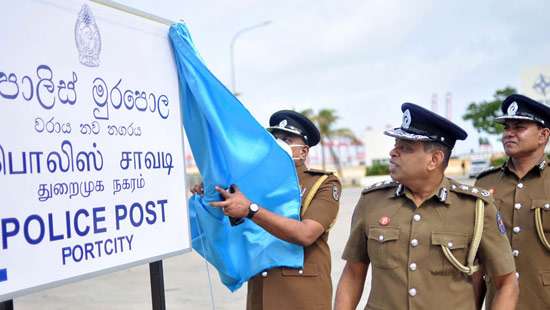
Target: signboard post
[[6, 305], [92, 172], [157, 285]]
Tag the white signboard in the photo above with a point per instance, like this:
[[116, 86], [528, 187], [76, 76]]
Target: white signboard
[[91, 144]]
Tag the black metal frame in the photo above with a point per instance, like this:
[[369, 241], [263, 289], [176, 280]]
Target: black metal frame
[[6, 305], [157, 285]]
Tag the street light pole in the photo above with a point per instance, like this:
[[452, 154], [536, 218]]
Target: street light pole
[[235, 37]]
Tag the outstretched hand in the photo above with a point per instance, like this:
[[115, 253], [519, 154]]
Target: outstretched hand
[[235, 203]]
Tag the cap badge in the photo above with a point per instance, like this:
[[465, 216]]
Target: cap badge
[[512, 109], [407, 119], [283, 123]]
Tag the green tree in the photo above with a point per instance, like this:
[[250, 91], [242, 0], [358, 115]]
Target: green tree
[[325, 120], [483, 114]]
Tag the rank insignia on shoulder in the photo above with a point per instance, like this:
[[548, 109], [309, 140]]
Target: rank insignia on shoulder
[[472, 191], [379, 185]]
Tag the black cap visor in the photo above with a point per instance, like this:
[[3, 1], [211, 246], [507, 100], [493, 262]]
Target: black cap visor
[[285, 129], [502, 119]]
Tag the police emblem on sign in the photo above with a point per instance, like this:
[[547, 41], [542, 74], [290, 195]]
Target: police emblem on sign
[[500, 224], [87, 37]]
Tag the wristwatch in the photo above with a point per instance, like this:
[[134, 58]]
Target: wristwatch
[[252, 210]]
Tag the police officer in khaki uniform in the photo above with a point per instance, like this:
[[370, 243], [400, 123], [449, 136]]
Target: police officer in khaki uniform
[[521, 189], [286, 288], [423, 234]]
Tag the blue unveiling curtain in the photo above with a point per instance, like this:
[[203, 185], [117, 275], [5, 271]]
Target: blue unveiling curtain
[[231, 147]]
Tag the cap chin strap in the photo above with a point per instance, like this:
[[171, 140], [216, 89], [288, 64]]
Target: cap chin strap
[[471, 268]]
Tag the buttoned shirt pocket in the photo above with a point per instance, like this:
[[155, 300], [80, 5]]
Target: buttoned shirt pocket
[[383, 247], [457, 242], [309, 270]]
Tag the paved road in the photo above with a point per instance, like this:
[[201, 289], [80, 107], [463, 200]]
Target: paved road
[[186, 281]]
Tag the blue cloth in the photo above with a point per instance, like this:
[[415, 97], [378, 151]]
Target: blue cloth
[[231, 147]]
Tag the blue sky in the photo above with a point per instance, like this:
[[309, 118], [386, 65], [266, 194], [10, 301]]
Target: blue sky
[[365, 58]]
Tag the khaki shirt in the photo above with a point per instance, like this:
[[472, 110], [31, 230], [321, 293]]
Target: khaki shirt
[[516, 200], [310, 287], [403, 245]]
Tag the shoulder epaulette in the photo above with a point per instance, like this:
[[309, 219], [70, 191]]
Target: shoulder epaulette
[[488, 171], [379, 185], [319, 171], [477, 192]]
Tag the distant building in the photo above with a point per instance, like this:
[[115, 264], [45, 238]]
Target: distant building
[[347, 152], [377, 145]]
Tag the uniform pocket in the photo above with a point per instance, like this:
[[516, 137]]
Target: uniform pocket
[[545, 280], [458, 244], [382, 247], [309, 270]]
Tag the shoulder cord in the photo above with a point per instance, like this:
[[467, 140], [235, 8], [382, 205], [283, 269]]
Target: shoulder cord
[[471, 268], [311, 194], [540, 229]]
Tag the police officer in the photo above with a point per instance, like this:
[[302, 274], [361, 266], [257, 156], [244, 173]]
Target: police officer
[[424, 234], [286, 288], [521, 188]]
